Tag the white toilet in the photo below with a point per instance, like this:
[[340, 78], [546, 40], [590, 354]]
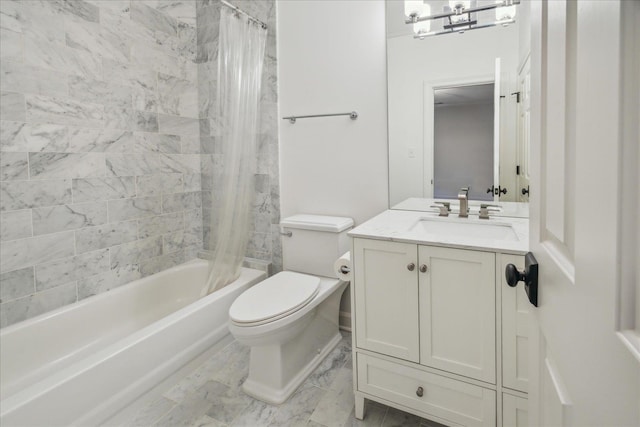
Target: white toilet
[[290, 320]]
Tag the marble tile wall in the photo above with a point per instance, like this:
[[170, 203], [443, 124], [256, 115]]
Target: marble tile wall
[[100, 170], [265, 243]]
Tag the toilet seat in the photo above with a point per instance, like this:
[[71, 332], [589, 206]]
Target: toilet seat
[[274, 298]]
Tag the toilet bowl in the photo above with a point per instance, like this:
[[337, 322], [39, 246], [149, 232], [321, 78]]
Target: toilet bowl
[[290, 320]]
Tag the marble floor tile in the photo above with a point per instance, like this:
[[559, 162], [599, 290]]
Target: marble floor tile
[[211, 396]]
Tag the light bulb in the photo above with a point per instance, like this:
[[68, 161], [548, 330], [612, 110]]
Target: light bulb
[[505, 13], [459, 4], [413, 7], [423, 27]]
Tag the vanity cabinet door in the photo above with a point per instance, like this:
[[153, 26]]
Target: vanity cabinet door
[[515, 411], [457, 311], [515, 328], [386, 297]]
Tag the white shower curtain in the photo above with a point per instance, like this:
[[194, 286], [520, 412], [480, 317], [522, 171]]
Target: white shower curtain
[[240, 59]]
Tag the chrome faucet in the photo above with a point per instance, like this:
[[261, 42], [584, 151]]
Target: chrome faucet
[[463, 197]]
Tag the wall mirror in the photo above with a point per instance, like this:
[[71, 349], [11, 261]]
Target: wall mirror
[[458, 109]]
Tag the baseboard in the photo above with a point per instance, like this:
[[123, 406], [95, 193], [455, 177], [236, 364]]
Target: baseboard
[[345, 321]]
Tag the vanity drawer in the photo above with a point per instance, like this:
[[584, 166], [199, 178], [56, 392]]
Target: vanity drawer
[[456, 401]]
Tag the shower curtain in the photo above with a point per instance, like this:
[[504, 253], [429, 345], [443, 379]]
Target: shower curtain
[[240, 61]]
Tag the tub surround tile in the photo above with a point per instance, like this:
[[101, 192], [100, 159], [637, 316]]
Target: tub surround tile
[[192, 182], [66, 165], [14, 166], [11, 13], [15, 225], [11, 45], [181, 201], [153, 142], [93, 38], [175, 125], [178, 97], [134, 252], [145, 53], [38, 303], [156, 185], [30, 18], [104, 282], [94, 189], [54, 57], [47, 137], [68, 217], [161, 224], [21, 253], [180, 240], [104, 236], [40, 108], [31, 194], [16, 284], [23, 78], [122, 210], [71, 269], [153, 19], [78, 8], [145, 121], [157, 264], [118, 7], [12, 106]]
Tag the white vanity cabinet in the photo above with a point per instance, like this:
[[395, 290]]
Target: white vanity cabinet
[[428, 335]]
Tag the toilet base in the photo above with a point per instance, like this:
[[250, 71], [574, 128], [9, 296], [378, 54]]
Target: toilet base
[[276, 396]]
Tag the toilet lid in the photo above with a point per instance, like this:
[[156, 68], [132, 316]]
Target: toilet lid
[[274, 297]]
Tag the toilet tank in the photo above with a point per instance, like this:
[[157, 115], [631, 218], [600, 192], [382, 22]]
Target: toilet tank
[[315, 243]]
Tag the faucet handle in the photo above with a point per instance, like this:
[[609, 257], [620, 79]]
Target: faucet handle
[[445, 204], [444, 209], [485, 209]]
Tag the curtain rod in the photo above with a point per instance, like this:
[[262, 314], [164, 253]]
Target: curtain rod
[[237, 9]]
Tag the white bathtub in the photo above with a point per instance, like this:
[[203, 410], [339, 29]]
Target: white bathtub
[[80, 364]]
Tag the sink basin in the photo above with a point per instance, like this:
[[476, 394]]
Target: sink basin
[[463, 228]]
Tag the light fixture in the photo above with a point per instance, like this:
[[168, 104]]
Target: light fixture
[[423, 27], [413, 9], [505, 13], [457, 16]]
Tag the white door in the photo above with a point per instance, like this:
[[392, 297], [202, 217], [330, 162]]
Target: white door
[[583, 371]]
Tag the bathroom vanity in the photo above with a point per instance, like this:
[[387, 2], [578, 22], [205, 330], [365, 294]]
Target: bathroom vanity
[[437, 330]]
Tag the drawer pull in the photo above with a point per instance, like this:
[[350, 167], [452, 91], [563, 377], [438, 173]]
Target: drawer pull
[[411, 266], [420, 392], [423, 268]]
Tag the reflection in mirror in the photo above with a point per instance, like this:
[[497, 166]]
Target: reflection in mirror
[[417, 70], [463, 141]]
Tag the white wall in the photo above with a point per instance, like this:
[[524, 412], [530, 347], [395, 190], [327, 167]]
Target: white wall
[[332, 59], [415, 67]]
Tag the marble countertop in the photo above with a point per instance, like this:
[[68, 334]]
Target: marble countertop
[[400, 226], [508, 209]]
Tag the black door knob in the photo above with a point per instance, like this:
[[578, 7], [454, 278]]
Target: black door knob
[[529, 276], [513, 275], [525, 191]]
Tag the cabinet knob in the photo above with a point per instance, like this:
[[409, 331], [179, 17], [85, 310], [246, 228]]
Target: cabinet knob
[[423, 268], [420, 392], [411, 266]]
